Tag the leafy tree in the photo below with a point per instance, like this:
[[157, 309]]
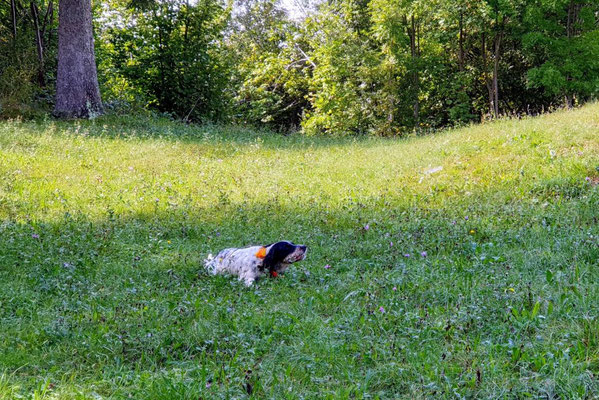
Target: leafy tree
[[345, 71], [378, 67], [172, 53], [27, 55], [563, 40], [272, 74]]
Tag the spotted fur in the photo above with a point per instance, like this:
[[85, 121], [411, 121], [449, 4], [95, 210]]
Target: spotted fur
[[248, 264]]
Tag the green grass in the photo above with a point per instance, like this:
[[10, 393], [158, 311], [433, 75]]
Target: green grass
[[104, 225]]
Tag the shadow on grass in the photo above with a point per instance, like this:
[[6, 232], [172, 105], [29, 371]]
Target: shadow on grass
[[116, 127], [99, 299]]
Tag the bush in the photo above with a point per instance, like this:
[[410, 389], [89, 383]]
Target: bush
[[18, 68]]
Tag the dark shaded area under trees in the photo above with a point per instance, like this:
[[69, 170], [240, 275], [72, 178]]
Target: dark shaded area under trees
[[381, 67]]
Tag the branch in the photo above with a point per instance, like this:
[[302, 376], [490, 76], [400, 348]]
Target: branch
[[49, 11], [305, 55]]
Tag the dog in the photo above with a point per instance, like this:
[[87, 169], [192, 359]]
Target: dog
[[250, 263]]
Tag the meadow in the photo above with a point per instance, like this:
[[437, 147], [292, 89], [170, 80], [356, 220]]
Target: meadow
[[462, 264]]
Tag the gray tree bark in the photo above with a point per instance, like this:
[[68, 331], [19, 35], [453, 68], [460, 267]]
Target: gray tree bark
[[413, 34], [496, 74], [13, 17], [39, 43], [77, 90]]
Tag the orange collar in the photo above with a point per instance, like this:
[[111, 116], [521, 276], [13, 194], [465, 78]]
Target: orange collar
[[261, 253]]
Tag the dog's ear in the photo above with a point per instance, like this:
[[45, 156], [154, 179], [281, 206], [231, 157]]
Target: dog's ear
[[276, 254]]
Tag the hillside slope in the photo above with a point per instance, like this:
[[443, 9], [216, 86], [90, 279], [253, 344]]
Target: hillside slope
[[462, 263]]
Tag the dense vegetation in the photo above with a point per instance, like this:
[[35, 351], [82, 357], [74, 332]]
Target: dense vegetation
[[381, 67], [458, 265]]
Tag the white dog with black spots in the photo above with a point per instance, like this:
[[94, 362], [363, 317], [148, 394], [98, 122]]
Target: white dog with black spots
[[250, 263]]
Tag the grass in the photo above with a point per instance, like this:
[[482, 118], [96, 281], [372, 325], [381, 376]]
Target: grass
[[104, 225]]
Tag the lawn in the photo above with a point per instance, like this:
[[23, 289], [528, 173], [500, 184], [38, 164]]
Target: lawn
[[462, 264]]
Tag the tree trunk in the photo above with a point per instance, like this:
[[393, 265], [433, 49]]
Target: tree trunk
[[13, 17], [568, 100], [40, 45], [48, 22], [461, 41], [488, 81], [161, 69], [498, 38], [573, 11], [77, 91], [573, 22], [414, 48], [48, 18]]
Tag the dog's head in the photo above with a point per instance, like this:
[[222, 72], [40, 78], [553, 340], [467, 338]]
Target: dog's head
[[282, 254]]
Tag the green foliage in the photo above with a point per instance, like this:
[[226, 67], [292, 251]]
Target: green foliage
[[105, 224], [271, 75], [343, 86], [170, 54], [564, 40], [26, 89], [17, 86], [365, 67]]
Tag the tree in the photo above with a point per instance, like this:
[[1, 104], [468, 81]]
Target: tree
[[272, 68], [500, 18], [563, 40], [344, 68], [172, 54], [40, 27], [408, 36], [77, 90]]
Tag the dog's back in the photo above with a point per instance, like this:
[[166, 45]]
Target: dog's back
[[232, 260]]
